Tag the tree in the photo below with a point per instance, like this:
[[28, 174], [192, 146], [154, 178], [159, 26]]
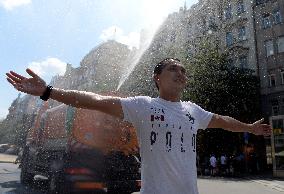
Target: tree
[[223, 89]]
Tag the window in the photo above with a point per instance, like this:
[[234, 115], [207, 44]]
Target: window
[[282, 76], [212, 23], [242, 33], [269, 48], [229, 38], [241, 7], [266, 22], [172, 37], [272, 80], [243, 62], [280, 44], [258, 2], [275, 110], [275, 107], [228, 12], [282, 107], [231, 62], [277, 19]]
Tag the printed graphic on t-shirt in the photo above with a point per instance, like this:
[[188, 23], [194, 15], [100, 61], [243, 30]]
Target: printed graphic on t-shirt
[[168, 132], [190, 118]]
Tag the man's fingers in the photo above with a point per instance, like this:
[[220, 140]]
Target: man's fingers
[[31, 73], [14, 78], [17, 86], [267, 130], [259, 121], [11, 81], [17, 75]]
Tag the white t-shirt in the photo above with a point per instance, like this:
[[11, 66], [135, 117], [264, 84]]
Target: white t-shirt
[[223, 160], [167, 138], [213, 161]]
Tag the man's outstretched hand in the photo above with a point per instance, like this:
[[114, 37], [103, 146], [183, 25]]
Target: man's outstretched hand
[[261, 129], [34, 85]]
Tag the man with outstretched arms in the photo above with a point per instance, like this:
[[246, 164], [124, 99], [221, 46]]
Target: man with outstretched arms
[[166, 126]]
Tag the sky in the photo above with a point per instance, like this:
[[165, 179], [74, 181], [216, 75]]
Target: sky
[[44, 35]]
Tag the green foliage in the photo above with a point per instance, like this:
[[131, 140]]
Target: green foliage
[[220, 88]]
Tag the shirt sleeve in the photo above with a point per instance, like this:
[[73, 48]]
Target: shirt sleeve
[[204, 117], [133, 109]]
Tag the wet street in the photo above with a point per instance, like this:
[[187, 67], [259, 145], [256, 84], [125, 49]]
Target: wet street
[[10, 184], [10, 181], [249, 185]]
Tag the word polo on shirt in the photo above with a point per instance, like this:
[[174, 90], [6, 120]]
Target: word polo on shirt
[[158, 119]]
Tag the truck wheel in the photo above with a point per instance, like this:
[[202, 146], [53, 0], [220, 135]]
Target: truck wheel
[[54, 185], [119, 192], [25, 177], [57, 184], [115, 190]]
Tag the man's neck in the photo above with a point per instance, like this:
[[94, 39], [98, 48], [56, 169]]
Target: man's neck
[[170, 96]]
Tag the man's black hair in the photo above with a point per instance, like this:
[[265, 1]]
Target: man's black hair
[[162, 64]]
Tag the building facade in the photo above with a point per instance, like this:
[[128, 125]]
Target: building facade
[[269, 30], [237, 33]]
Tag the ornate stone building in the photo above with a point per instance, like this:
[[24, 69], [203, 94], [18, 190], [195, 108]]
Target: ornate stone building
[[237, 33], [99, 71], [269, 28]]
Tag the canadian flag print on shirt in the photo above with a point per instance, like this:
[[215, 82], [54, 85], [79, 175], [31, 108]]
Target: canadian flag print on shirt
[[157, 114]]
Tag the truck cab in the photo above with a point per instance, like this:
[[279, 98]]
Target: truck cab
[[81, 150]]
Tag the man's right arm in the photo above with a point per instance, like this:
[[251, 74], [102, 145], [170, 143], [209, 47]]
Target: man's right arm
[[36, 86], [88, 100]]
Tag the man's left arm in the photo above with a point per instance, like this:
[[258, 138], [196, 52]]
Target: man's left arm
[[231, 124]]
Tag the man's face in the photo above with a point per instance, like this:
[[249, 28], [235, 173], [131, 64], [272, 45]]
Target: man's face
[[172, 78]]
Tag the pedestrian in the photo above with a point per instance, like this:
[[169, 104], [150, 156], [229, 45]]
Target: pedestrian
[[213, 165], [223, 161], [166, 126]]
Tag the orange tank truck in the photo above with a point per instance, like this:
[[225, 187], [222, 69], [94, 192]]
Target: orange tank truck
[[78, 149]]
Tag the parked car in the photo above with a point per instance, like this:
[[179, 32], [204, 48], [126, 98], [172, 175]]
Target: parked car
[[13, 150], [4, 147]]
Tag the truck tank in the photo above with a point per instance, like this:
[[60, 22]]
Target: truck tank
[[80, 149]]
